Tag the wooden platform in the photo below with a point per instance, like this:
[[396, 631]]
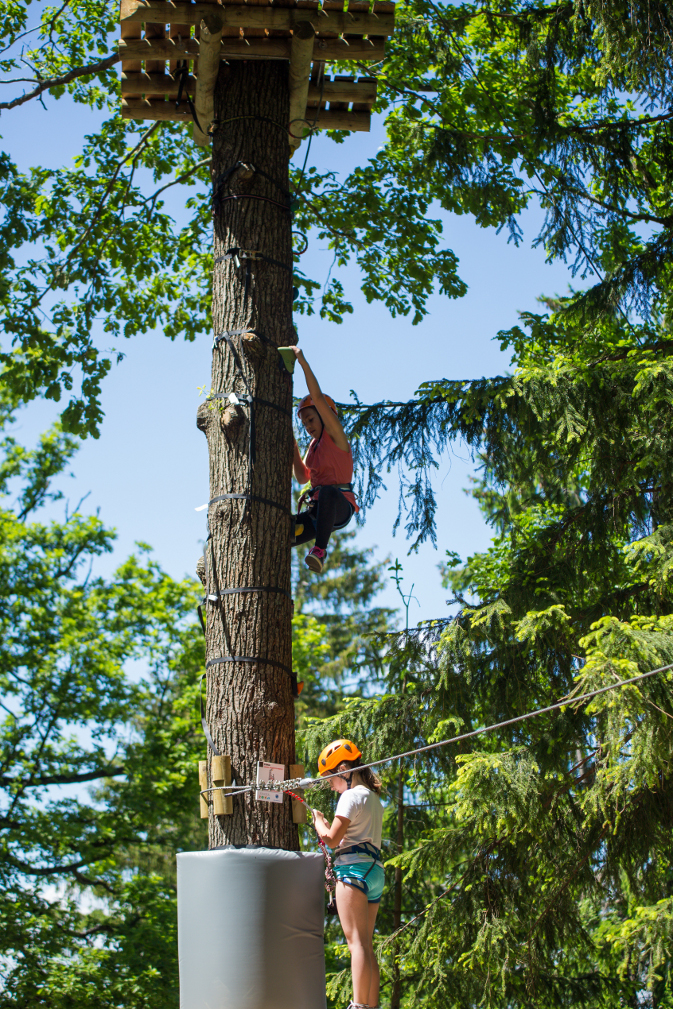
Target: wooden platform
[[157, 34]]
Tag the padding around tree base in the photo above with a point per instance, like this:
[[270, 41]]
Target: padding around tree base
[[250, 929]]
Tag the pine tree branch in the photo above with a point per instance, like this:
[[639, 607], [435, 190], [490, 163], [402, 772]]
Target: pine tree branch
[[55, 82]]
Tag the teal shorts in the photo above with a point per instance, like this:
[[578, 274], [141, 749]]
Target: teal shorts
[[368, 877]]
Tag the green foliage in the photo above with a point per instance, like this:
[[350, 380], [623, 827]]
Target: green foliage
[[490, 110], [98, 761], [336, 645], [537, 860], [548, 843]]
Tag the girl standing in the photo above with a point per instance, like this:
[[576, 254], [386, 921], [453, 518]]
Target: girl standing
[[355, 833], [329, 467]]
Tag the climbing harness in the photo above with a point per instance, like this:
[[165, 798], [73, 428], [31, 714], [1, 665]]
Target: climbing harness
[[308, 495], [330, 878], [365, 848]]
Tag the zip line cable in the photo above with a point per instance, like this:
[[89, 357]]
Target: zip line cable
[[285, 786], [509, 721]]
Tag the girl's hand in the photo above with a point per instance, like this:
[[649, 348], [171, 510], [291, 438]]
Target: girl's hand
[[298, 353]]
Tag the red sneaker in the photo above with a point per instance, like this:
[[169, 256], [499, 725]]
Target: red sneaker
[[315, 559]]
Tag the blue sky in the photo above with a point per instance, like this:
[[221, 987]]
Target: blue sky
[[148, 472]]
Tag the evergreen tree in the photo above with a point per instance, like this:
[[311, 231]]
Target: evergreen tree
[[336, 645], [548, 843]]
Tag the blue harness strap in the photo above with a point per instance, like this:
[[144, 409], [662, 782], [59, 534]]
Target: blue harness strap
[[362, 849]]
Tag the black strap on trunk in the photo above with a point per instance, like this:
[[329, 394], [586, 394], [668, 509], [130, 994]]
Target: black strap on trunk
[[261, 661], [214, 596], [248, 256]]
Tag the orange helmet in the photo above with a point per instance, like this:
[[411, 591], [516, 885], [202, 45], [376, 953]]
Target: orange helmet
[[308, 401], [334, 753]]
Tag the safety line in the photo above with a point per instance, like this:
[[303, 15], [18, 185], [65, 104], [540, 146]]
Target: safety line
[[330, 878], [284, 786], [501, 725], [223, 788]]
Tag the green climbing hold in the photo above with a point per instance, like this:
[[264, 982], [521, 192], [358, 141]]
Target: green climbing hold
[[289, 360]]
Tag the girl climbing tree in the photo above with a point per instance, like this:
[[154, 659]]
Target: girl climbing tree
[[328, 466]]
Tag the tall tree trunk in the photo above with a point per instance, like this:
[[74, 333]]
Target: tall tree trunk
[[250, 707], [396, 994]]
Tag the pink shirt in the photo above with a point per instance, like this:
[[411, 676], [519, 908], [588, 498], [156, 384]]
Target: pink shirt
[[326, 465]]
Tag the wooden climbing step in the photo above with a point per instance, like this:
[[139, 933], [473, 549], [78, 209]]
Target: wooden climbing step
[[158, 36]]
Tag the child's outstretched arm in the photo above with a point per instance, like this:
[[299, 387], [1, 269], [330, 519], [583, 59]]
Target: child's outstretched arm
[[327, 415], [300, 470]]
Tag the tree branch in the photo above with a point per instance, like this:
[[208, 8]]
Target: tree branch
[[180, 178], [55, 82], [64, 779]]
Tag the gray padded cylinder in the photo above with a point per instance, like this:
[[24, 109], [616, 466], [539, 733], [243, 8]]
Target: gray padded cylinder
[[250, 929]]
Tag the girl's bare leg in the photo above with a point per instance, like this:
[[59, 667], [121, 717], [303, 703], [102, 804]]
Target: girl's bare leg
[[373, 999], [357, 920]]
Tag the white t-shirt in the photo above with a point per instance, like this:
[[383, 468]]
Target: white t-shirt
[[364, 810]]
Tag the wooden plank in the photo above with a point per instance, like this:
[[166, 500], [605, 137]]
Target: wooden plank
[[139, 108], [153, 84], [140, 83], [155, 32], [325, 50], [365, 106], [342, 91], [203, 784], [331, 50], [207, 68], [223, 804], [301, 54], [354, 122], [279, 18], [299, 811], [339, 105], [130, 30]]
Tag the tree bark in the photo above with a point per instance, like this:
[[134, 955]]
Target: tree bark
[[250, 707]]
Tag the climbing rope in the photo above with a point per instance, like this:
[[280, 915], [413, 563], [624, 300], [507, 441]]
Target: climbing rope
[[330, 878]]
